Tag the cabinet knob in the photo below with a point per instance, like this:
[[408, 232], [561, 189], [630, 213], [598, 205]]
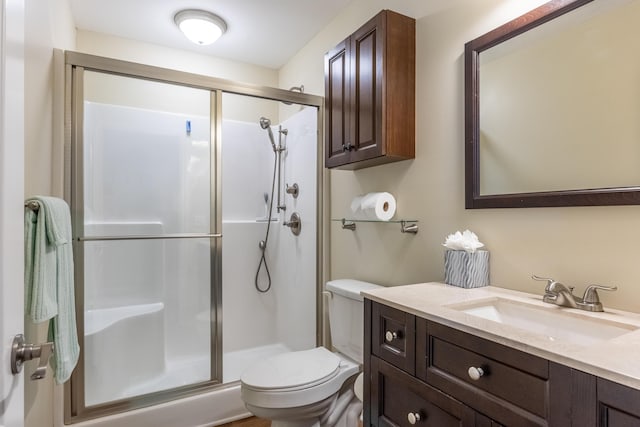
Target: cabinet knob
[[475, 373], [390, 336], [348, 147], [413, 417]]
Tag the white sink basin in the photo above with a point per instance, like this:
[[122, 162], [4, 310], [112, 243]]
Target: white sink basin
[[554, 323]]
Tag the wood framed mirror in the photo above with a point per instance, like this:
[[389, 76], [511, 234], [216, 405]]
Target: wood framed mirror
[[552, 108]]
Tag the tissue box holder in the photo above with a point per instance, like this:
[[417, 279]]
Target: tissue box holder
[[466, 270]]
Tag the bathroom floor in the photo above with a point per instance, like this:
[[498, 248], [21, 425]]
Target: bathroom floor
[[248, 422]]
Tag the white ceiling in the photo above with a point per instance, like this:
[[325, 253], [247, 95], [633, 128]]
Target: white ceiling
[[261, 32]]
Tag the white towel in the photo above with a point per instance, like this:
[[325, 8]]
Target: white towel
[[49, 287]]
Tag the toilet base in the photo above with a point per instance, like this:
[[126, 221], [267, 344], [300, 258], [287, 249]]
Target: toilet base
[[336, 411]]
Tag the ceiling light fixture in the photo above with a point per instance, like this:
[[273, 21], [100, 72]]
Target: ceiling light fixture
[[200, 26]]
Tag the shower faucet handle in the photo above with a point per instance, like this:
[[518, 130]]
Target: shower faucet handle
[[294, 190], [294, 223]]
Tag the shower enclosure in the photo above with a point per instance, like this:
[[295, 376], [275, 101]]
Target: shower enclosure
[[171, 187]]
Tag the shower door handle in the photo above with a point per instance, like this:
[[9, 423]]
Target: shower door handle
[[22, 352]]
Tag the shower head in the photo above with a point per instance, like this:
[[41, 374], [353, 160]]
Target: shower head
[[266, 124]]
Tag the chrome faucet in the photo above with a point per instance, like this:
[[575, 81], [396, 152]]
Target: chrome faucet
[[559, 294]]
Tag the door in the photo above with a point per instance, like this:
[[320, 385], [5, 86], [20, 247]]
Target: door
[[145, 242], [11, 205]]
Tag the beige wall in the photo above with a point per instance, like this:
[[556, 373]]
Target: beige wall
[[575, 245], [160, 56], [174, 59], [48, 25]]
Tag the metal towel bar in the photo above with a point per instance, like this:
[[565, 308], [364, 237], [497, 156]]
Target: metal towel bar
[[33, 205], [150, 237]]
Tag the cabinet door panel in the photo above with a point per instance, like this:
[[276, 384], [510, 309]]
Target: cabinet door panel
[[395, 395], [367, 53], [391, 323], [337, 112]]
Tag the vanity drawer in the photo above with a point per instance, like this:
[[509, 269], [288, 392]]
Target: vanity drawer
[[512, 389], [393, 336], [397, 397]]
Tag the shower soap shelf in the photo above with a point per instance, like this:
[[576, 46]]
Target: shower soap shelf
[[406, 225]]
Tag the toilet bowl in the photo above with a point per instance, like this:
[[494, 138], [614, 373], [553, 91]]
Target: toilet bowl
[[307, 388]]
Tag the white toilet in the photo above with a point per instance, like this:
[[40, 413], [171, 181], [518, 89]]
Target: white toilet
[[305, 388]]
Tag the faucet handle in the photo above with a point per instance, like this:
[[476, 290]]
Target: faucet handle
[[549, 281], [591, 293]]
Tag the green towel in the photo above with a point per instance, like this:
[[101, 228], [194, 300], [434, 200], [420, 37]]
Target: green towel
[[49, 287]]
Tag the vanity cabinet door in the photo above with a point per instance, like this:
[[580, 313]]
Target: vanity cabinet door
[[393, 336], [618, 405], [399, 400]]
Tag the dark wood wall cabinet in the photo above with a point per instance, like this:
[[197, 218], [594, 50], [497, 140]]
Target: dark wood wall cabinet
[[424, 374], [370, 94]]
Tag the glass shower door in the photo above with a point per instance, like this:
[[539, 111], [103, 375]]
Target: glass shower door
[[146, 231]]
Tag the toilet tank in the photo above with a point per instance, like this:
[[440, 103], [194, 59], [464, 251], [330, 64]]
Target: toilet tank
[[346, 316]]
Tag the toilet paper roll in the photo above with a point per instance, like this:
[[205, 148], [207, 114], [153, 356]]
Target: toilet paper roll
[[374, 206]]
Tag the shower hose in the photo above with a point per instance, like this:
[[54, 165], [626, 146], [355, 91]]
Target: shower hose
[[263, 243]]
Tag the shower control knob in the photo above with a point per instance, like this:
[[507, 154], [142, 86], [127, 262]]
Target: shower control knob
[[295, 223], [390, 336], [294, 190], [413, 417]]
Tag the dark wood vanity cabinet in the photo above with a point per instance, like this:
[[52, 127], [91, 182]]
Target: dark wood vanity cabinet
[[618, 405], [370, 94], [436, 387]]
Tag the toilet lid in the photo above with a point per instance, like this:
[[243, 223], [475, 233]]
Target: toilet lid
[[297, 369]]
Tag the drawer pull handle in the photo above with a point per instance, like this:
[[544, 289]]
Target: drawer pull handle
[[413, 417], [390, 336], [475, 373]]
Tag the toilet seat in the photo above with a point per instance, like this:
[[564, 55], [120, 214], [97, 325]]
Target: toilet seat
[[292, 371], [295, 379]]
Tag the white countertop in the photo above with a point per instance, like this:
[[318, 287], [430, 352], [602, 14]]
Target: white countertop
[[617, 359]]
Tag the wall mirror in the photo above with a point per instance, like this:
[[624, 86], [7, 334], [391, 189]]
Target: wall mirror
[[552, 108]]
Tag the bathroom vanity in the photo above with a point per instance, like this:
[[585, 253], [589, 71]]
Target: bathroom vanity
[[437, 355]]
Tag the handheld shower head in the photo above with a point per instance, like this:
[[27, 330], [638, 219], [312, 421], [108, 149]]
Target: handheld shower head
[[266, 124]]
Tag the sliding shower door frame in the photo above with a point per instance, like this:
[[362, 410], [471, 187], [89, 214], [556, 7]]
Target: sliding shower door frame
[[76, 64]]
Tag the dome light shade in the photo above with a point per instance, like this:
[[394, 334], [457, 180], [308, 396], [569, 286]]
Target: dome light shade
[[200, 26]]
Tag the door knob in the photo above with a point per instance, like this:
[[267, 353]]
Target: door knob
[[22, 352]]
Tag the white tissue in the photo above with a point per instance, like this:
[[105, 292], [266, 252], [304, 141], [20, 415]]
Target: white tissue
[[466, 241], [374, 206]]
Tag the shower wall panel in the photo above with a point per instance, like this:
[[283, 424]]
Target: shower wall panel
[[255, 324]]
